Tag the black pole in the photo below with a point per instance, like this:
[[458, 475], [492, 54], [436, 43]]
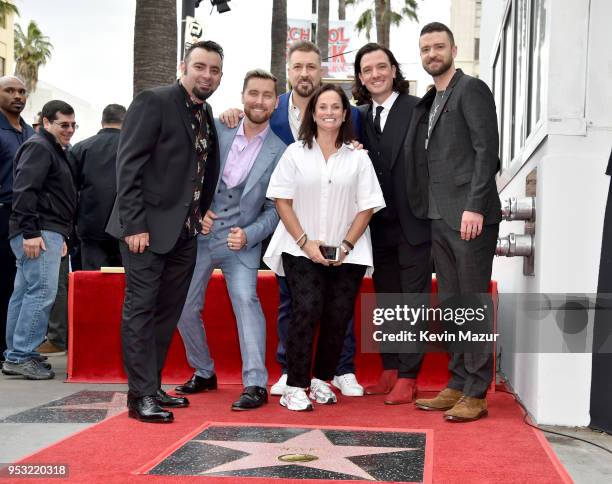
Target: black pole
[[188, 11]]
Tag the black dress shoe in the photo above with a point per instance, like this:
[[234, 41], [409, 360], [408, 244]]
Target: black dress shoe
[[252, 397], [197, 384], [165, 400], [147, 410]]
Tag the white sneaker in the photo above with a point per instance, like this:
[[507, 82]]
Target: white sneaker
[[321, 392], [279, 387], [294, 398], [348, 385]]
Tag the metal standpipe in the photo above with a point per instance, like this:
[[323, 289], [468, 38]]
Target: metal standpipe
[[515, 245], [518, 208], [519, 245]]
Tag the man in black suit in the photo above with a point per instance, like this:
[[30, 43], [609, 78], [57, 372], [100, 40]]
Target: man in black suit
[[95, 160], [167, 170], [452, 151], [401, 243]]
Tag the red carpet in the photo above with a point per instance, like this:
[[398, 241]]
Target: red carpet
[[496, 449], [94, 353]]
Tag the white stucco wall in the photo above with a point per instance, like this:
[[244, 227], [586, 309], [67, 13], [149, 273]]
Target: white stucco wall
[[571, 195]]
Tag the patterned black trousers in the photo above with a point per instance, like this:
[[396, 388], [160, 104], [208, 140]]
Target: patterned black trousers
[[324, 295]]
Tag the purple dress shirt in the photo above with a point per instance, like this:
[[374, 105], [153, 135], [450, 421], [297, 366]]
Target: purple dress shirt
[[241, 156]]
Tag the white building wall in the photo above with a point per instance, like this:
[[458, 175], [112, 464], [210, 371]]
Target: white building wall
[[86, 116], [576, 139]]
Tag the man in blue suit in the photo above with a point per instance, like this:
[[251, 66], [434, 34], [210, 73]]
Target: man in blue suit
[[239, 218], [304, 72]]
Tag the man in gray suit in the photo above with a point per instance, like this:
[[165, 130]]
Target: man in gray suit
[[239, 218], [452, 148]]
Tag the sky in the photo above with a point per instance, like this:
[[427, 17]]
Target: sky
[[92, 39]]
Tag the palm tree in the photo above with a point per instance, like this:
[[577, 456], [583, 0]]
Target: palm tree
[[32, 50], [155, 40], [6, 8], [384, 17], [341, 9], [278, 53], [323, 28]]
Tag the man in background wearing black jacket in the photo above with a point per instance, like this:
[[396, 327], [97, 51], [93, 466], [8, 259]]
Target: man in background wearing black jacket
[[44, 204], [95, 160]]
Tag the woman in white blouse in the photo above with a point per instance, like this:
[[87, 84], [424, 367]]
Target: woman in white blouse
[[326, 193]]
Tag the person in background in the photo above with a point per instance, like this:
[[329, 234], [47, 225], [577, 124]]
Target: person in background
[[95, 159], [14, 131], [42, 217]]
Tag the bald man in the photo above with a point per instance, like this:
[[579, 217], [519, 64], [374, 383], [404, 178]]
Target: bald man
[[13, 132]]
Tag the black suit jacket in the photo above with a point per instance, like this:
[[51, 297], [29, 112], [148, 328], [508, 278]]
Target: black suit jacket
[[396, 221], [156, 168], [462, 155], [95, 160]]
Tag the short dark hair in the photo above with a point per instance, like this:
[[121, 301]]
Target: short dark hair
[[113, 114], [360, 93], [303, 46], [308, 128], [51, 109], [438, 27], [209, 45], [259, 74]]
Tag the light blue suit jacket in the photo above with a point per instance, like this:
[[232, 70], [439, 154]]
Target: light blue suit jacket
[[258, 217]]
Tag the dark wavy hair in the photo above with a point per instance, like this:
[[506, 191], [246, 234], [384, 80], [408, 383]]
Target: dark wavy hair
[[360, 93], [308, 129]]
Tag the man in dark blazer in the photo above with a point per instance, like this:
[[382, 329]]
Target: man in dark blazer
[[401, 243], [453, 156], [167, 169], [95, 159]]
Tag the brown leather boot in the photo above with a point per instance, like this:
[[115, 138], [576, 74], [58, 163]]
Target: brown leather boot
[[467, 409], [403, 391], [385, 383], [444, 400]]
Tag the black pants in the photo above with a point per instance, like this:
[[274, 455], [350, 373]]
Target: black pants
[[7, 270], [155, 292], [324, 295], [403, 268], [57, 332], [464, 267], [99, 253]]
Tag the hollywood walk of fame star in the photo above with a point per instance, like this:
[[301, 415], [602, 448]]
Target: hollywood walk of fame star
[[330, 457], [114, 407]]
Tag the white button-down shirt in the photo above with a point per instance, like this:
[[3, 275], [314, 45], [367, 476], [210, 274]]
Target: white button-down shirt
[[327, 196], [295, 117], [387, 105]]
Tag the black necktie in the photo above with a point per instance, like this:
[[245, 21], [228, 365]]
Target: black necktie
[[379, 110]]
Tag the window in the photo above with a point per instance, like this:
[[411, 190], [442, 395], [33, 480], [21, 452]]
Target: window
[[518, 75], [476, 49], [2, 66], [508, 98], [536, 81]]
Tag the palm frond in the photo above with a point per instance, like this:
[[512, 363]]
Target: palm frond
[[365, 22]]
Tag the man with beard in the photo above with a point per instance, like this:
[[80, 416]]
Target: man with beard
[[452, 153], [239, 219], [167, 169], [401, 243], [304, 72], [13, 133]]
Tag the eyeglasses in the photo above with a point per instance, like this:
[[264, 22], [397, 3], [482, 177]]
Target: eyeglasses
[[67, 125]]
